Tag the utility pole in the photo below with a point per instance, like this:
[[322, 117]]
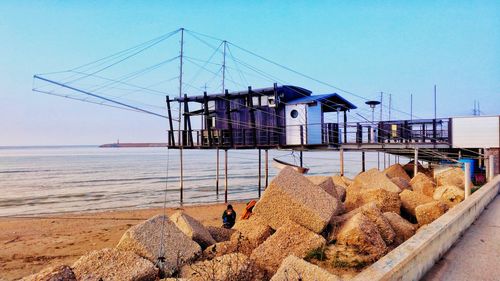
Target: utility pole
[[224, 67], [411, 107], [390, 104], [181, 180]]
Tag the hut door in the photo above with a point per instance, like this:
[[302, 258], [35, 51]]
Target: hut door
[[296, 117]]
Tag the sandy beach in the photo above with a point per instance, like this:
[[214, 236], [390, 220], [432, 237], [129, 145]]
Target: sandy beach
[[31, 244]]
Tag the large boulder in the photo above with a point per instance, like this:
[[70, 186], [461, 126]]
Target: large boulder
[[192, 228], [255, 229], [386, 201], [159, 236], [403, 228], [423, 184], [291, 196], [401, 183], [411, 199], [373, 178], [326, 183], [342, 256], [396, 171], [229, 267], [290, 239], [449, 195], [453, 176], [373, 213], [53, 273], [361, 233], [427, 213], [113, 264], [409, 168], [339, 181], [294, 268], [220, 234]]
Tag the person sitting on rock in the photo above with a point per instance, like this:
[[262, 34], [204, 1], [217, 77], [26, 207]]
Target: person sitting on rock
[[228, 217]]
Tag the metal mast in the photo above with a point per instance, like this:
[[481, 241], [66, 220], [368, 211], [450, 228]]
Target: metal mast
[[181, 180], [381, 104], [224, 67]]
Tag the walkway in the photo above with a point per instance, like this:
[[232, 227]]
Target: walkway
[[476, 255]]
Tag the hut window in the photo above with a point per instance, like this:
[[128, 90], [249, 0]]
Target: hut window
[[263, 100], [294, 113]]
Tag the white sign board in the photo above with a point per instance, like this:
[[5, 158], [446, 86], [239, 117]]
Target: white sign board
[[475, 132]]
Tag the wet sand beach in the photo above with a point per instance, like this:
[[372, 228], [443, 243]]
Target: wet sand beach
[[31, 244]]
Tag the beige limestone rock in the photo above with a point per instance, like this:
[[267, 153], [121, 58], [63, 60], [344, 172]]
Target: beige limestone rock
[[53, 273], [326, 183], [453, 176], [342, 256], [255, 229], [373, 213], [427, 213], [361, 233], [291, 196], [294, 268], [192, 228], [339, 181], [396, 171], [411, 199], [290, 239], [145, 240], [230, 267], [403, 228], [341, 191], [373, 178], [112, 264], [423, 184], [220, 234], [387, 201], [401, 183], [347, 180], [449, 195]]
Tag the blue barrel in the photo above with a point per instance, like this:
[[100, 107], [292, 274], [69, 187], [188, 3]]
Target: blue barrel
[[472, 165]]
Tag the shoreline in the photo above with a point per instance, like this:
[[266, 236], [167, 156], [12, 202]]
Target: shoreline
[[30, 244]]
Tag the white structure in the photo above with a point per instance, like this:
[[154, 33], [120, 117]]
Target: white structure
[[475, 132]]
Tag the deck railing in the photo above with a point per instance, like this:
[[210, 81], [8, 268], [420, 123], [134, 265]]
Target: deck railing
[[407, 131]]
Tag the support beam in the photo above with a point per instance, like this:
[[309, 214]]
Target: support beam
[[225, 175], [341, 162], [415, 162], [301, 159], [171, 138], [491, 167], [181, 178], [467, 180], [345, 127], [260, 172], [363, 168], [266, 153], [217, 175]]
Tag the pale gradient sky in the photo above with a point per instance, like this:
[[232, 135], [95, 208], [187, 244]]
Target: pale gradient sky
[[363, 46]]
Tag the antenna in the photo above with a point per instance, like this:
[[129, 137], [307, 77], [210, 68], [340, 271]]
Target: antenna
[[180, 82], [224, 67], [390, 102], [381, 102], [411, 107]]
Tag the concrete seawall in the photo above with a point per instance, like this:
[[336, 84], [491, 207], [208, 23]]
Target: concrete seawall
[[412, 259]]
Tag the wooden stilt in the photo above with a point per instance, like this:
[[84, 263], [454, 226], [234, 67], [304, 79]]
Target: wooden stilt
[[363, 168], [225, 175], [384, 161], [260, 172], [217, 175], [378, 160], [181, 178], [342, 162], [266, 153], [301, 159]]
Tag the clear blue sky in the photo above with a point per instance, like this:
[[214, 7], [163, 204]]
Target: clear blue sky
[[362, 46]]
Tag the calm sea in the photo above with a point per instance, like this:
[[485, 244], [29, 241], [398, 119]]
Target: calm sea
[[44, 180]]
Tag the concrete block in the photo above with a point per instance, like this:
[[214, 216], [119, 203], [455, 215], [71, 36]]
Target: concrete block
[[452, 176], [403, 228], [294, 268], [255, 229], [423, 184], [342, 256], [112, 264], [146, 238], [401, 183], [373, 178], [411, 199], [229, 267], [291, 196], [385, 200], [396, 171], [326, 183], [373, 213], [220, 234], [449, 195], [361, 233], [192, 228], [290, 239], [429, 212]]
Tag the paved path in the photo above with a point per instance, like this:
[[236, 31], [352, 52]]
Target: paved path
[[476, 255]]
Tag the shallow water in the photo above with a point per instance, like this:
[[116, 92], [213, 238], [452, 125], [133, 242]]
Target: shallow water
[[42, 180]]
